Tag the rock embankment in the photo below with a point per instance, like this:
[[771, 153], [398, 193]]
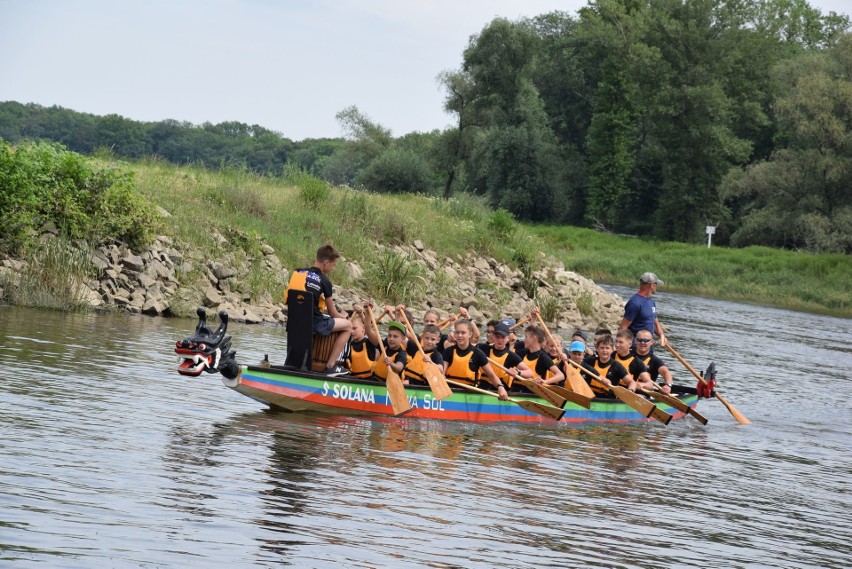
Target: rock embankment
[[166, 279]]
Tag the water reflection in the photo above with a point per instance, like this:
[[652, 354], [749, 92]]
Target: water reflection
[[108, 458]]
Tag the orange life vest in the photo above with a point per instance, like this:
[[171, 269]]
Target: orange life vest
[[298, 281], [459, 368], [359, 362], [381, 369]]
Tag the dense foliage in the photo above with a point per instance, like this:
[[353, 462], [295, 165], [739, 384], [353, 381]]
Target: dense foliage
[[649, 118], [46, 187]]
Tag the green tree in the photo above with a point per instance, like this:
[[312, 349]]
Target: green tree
[[517, 159], [801, 196]]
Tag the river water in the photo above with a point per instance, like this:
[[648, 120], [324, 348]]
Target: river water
[[109, 458]]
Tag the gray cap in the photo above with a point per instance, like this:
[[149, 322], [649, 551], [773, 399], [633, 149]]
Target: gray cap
[[650, 278]]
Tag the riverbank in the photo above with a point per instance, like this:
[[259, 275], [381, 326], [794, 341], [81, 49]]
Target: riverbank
[[229, 241], [817, 283]]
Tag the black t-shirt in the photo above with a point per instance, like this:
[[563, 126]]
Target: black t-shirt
[[541, 360], [634, 368], [512, 359], [477, 360], [318, 284], [434, 356], [615, 372], [653, 362], [364, 343], [401, 355]]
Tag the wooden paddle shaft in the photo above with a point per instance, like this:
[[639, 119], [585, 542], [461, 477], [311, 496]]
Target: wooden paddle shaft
[[685, 363], [742, 419]]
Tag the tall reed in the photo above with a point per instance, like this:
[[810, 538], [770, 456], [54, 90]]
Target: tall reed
[[54, 277]]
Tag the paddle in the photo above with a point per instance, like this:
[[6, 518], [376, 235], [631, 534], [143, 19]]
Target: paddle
[[396, 389], [642, 405], [737, 415], [575, 381], [674, 402], [531, 406], [551, 393], [447, 321], [519, 323], [580, 386], [437, 381], [536, 388]]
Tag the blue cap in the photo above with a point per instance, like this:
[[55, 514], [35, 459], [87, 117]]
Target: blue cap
[[508, 322], [577, 346]]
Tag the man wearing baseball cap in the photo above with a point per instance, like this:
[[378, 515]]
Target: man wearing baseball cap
[[640, 312]]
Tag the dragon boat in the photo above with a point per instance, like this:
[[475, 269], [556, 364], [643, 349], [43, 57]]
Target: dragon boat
[[298, 386]]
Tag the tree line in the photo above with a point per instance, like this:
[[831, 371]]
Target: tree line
[[647, 118]]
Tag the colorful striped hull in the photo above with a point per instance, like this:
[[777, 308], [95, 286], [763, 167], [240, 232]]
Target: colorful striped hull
[[308, 391]]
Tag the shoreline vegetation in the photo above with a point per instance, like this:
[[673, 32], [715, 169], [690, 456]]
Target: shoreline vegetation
[[802, 281], [234, 214]]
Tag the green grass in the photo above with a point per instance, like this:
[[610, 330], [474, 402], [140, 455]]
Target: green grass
[[53, 278], [790, 279], [296, 219]]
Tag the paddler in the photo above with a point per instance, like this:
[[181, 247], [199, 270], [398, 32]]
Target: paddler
[[624, 355], [656, 366], [499, 351], [535, 358], [464, 362]]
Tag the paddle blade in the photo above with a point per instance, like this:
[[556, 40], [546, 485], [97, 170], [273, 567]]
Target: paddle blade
[[677, 404], [571, 396], [661, 415], [741, 419], [542, 392], [577, 384], [544, 410], [642, 405], [437, 381], [396, 392]]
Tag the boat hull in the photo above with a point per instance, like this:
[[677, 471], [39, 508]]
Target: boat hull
[[309, 391]]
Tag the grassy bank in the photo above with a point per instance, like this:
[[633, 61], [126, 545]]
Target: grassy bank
[[296, 213], [800, 281]]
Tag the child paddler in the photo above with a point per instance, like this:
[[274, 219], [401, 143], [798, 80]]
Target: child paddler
[[535, 358], [558, 355], [363, 348], [429, 338], [606, 366], [395, 356], [499, 351], [464, 362]]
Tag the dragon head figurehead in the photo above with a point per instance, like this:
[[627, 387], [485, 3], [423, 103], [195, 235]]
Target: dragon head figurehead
[[208, 351]]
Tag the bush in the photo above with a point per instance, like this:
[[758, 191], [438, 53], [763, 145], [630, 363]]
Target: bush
[[550, 306], [397, 171], [585, 303], [313, 192], [501, 224], [44, 183], [395, 278]]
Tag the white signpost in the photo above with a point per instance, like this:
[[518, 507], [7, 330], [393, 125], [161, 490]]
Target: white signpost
[[711, 229]]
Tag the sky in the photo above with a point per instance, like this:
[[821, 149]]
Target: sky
[[287, 65]]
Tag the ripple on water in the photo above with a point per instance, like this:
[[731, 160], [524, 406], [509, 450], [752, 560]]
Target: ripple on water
[[108, 458]]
